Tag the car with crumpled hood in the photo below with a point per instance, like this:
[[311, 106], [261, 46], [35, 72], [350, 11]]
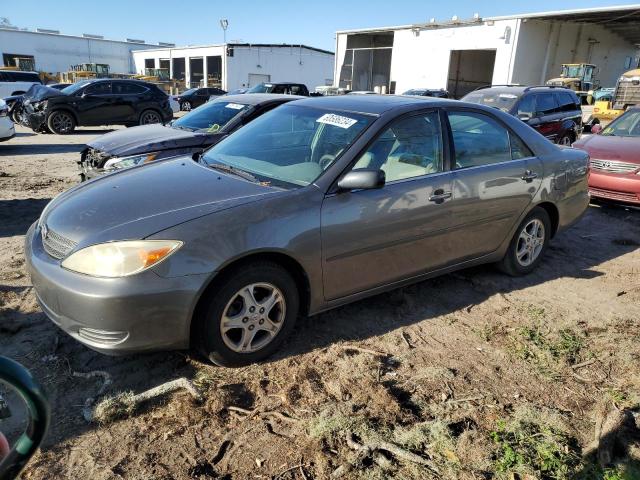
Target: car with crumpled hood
[[191, 134]]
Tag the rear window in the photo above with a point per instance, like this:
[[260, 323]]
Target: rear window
[[492, 98], [128, 88], [546, 104]]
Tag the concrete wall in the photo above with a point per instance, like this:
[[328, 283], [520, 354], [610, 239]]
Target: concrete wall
[[544, 46], [293, 64], [55, 53]]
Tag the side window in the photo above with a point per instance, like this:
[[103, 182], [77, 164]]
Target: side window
[[518, 148], [566, 102], [278, 89], [478, 140], [203, 92], [409, 148], [101, 88], [121, 88], [527, 106], [545, 104]]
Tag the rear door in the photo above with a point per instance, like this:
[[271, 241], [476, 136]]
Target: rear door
[[495, 178], [126, 98], [376, 237]]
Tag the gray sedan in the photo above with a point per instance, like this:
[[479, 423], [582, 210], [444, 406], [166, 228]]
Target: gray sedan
[[313, 205]]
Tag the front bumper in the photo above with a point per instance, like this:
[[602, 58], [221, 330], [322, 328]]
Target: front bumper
[[35, 120], [142, 312], [617, 187], [7, 129]]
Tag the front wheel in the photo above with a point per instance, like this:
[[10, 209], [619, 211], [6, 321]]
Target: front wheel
[[566, 140], [61, 122], [528, 244], [248, 317], [185, 106]]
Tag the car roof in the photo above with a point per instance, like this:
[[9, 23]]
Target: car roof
[[521, 89], [371, 104], [257, 98]]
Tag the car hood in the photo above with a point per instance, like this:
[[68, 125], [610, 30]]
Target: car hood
[[148, 138], [607, 147], [137, 202], [41, 92]]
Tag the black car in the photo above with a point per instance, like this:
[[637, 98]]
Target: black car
[[428, 92], [95, 102], [193, 133], [282, 88], [197, 96], [555, 112]]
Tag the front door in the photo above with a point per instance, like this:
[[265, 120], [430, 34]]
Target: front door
[[95, 105], [376, 237], [495, 178]]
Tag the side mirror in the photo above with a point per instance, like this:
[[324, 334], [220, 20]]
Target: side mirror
[[362, 179], [525, 117], [19, 379]]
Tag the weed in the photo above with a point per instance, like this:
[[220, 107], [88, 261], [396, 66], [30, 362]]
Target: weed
[[527, 445], [115, 407], [536, 312], [488, 332]]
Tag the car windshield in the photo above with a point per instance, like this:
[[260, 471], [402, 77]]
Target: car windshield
[[415, 92], [261, 88], [211, 117], [628, 125], [501, 100], [71, 89], [290, 145]]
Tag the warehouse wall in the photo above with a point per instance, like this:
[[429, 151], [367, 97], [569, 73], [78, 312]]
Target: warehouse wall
[[281, 63], [564, 42], [422, 61], [55, 53]]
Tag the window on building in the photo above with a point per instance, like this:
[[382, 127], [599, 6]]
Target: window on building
[[179, 68], [24, 62], [149, 63]]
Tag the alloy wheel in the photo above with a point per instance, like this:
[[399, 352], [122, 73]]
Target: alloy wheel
[[149, 118], [62, 122], [186, 106], [253, 317], [566, 141], [530, 242]]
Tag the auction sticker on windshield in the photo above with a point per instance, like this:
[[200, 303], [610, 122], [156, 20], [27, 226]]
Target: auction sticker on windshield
[[235, 106], [337, 120]]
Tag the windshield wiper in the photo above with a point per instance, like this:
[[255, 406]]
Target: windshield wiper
[[180, 127], [235, 171]]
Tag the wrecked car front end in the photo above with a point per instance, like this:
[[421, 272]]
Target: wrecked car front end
[[34, 114]]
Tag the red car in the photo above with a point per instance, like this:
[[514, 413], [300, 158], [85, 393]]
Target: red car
[[615, 159]]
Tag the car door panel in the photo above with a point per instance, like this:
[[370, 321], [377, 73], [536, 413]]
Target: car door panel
[[374, 237]]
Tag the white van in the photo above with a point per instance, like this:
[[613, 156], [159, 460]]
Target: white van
[[13, 82]]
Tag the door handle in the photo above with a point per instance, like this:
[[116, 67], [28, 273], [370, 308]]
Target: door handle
[[529, 176], [439, 196]]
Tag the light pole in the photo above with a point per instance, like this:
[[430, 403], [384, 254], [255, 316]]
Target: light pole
[[224, 23]]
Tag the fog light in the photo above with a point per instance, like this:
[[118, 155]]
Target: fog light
[[103, 337]]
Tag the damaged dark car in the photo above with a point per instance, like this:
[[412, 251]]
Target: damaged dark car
[[191, 134], [95, 102]]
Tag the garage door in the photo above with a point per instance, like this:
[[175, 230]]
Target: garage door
[[257, 78]]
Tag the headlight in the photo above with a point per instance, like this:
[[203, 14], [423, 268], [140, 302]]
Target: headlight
[[131, 161], [39, 106], [120, 259]]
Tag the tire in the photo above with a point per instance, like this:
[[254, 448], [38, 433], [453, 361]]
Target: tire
[[252, 335], [16, 117], [185, 106], [149, 117], [521, 258], [61, 122], [566, 140]]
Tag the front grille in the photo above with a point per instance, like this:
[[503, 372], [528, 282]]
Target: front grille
[[613, 166], [56, 245], [613, 195]]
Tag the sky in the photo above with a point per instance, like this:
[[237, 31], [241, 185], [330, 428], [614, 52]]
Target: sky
[[196, 22]]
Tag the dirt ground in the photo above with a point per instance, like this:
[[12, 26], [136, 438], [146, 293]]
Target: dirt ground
[[471, 375]]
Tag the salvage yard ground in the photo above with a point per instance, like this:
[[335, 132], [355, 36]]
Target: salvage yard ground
[[470, 375]]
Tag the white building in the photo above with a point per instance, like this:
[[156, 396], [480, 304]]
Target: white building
[[234, 65], [55, 52], [461, 55]]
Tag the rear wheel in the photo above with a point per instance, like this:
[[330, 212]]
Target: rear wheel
[[61, 122], [149, 117], [528, 244], [185, 106], [248, 317]]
